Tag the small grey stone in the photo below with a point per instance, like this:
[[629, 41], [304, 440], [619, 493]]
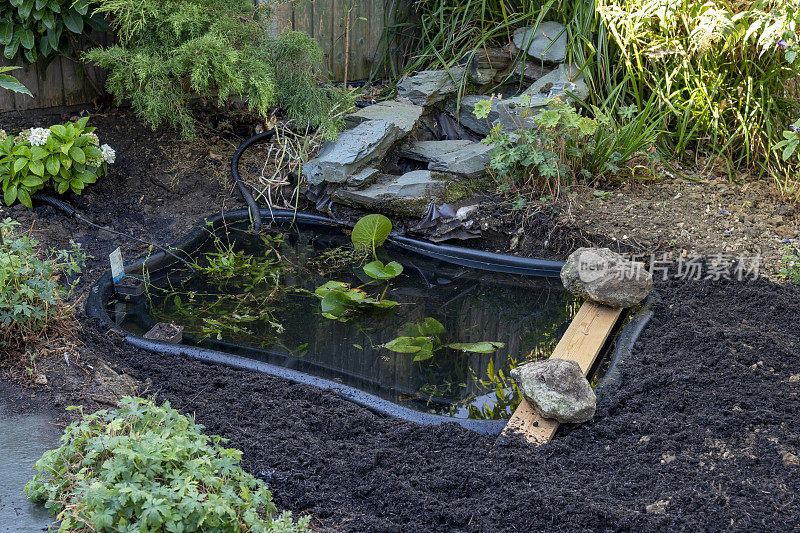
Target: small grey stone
[[410, 193], [659, 507], [363, 177], [565, 78], [455, 156], [603, 276], [353, 149], [404, 115], [429, 86], [556, 388], [547, 43]]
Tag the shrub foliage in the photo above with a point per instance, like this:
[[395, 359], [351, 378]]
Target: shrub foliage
[[65, 156], [145, 467], [33, 29], [171, 51]]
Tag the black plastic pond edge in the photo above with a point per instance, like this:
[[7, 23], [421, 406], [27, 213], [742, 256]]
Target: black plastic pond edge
[[612, 379], [103, 290]]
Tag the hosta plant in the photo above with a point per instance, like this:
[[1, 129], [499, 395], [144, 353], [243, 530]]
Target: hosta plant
[[65, 157]]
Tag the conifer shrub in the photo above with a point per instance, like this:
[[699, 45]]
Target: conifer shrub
[[170, 52]]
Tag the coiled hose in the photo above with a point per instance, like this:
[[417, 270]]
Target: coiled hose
[[252, 206]]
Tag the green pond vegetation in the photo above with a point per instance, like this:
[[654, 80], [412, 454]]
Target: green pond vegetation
[[260, 296]]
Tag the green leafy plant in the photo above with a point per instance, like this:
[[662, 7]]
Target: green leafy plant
[[172, 51], [565, 147], [370, 232], [423, 338], [723, 71], [791, 264], [341, 302], [10, 83], [145, 467], [34, 29], [31, 292], [68, 157]]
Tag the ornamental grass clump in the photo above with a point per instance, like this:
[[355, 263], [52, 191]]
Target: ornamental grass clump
[[171, 52], [146, 467]]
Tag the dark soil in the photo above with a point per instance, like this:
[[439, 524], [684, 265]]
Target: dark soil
[[702, 435]]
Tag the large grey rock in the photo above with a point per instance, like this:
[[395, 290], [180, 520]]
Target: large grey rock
[[404, 115], [429, 86], [566, 77], [548, 42], [507, 113], [457, 157], [408, 194], [556, 388], [603, 276], [353, 149]]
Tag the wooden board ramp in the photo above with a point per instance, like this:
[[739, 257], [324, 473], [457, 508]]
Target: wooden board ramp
[[582, 342]]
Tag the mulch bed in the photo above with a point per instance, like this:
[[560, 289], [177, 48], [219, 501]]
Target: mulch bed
[[704, 425]]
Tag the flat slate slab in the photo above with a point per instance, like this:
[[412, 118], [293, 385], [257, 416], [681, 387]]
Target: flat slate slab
[[503, 112], [458, 156], [429, 86], [404, 115], [351, 151], [567, 77], [408, 194]]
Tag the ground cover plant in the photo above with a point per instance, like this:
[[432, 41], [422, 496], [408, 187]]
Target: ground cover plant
[[146, 467], [33, 294], [171, 52], [67, 157]]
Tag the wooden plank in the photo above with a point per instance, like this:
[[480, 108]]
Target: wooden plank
[[323, 32], [29, 77], [582, 342], [7, 97], [304, 18], [339, 37], [51, 86], [284, 16], [359, 41], [377, 28], [74, 82]]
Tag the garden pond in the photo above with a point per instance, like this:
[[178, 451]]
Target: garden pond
[[257, 296]]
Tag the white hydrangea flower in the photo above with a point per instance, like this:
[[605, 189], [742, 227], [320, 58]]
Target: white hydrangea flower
[[3, 135], [93, 139], [22, 137], [39, 136], [109, 155]]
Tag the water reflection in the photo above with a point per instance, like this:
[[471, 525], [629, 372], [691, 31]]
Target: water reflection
[[281, 322]]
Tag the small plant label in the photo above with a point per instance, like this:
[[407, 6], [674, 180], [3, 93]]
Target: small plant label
[[117, 268]]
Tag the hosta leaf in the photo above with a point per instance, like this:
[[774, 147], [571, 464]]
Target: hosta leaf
[[476, 347]]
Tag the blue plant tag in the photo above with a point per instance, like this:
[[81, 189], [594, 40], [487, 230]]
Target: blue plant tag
[[117, 268]]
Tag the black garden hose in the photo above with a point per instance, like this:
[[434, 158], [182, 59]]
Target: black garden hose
[[71, 212], [252, 206]]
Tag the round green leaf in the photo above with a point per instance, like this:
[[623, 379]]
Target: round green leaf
[[371, 231]]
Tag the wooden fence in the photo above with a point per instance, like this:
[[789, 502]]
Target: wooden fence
[[350, 33]]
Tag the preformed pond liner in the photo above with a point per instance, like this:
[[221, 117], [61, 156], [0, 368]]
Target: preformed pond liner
[[103, 291]]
